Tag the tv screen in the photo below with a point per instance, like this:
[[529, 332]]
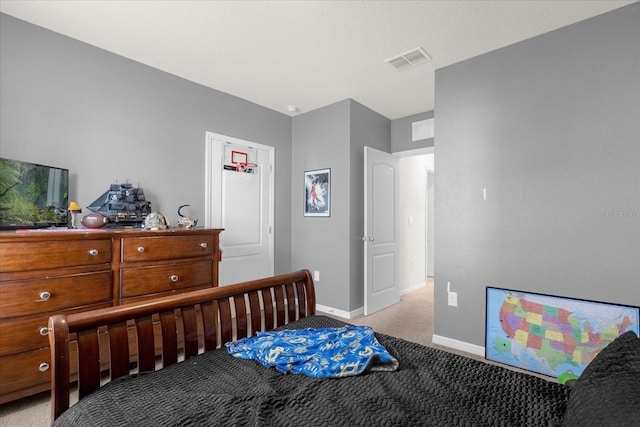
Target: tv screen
[[32, 196]]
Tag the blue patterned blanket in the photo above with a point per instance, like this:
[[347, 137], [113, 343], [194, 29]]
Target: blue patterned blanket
[[318, 353]]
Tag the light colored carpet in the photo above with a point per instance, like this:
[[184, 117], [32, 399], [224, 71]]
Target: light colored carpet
[[411, 319], [33, 411]]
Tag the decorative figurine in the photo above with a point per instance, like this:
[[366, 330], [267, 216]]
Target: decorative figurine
[[155, 221], [184, 221], [74, 209]]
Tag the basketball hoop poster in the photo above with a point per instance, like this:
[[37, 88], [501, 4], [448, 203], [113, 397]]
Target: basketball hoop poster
[[317, 192]]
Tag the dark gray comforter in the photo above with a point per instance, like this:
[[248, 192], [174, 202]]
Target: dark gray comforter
[[430, 388]]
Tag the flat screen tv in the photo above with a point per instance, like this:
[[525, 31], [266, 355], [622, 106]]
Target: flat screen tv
[[32, 195]]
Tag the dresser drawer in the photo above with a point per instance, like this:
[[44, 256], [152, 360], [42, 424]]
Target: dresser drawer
[[25, 297], [151, 248], [29, 369], [53, 254], [25, 369], [18, 335], [165, 278], [29, 333]]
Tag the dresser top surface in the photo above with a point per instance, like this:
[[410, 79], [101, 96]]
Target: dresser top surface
[[99, 233]]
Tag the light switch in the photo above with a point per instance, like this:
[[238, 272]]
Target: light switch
[[453, 299]]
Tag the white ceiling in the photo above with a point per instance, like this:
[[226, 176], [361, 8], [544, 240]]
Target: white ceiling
[[305, 53]]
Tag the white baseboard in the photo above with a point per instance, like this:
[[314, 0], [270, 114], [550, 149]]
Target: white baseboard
[[413, 288], [340, 313], [360, 311], [458, 345]]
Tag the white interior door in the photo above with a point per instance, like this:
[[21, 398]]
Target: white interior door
[[240, 200], [430, 223], [381, 230]]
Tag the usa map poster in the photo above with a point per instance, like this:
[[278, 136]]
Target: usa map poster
[[551, 335]]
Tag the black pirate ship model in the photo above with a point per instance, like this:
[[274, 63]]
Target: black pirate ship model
[[123, 204]]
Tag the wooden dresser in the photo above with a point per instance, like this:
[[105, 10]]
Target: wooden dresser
[[47, 272]]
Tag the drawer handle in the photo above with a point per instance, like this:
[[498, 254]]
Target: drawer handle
[[44, 367], [93, 252], [141, 249], [174, 278], [44, 331], [203, 245], [44, 295]]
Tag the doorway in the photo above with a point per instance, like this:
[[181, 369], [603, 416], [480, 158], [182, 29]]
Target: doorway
[[416, 209], [239, 197], [416, 233]]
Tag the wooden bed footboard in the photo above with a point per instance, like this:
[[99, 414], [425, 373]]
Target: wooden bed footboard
[[145, 336]]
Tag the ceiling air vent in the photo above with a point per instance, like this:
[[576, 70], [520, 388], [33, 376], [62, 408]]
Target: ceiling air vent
[[409, 59]]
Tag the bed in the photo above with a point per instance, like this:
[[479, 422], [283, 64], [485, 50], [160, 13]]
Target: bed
[[163, 363]]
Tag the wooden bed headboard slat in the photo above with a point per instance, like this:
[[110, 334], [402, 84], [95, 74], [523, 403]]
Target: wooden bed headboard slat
[[226, 326], [146, 344], [136, 336], [254, 309], [119, 349], [89, 370], [267, 301], [301, 299], [210, 324], [279, 296], [291, 297], [169, 339], [241, 316], [190, 324]]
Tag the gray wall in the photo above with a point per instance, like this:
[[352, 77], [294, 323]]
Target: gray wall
[[107, 118], [402, 133], [333, 137], [370, 129], [321, 140], [551, 127]]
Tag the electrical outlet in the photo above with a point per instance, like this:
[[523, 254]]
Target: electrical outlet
[[453, 299], [316, 276]]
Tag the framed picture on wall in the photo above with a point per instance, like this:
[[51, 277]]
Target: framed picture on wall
[[317, 192]]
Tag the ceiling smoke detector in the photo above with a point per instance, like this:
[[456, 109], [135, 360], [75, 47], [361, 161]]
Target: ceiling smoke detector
[[409, 59]]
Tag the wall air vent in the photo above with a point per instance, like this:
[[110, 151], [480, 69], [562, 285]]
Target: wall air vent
[[409, 59]]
